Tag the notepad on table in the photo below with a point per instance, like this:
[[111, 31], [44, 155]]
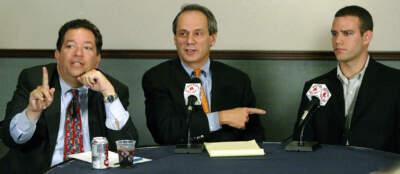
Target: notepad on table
[[234, 148]]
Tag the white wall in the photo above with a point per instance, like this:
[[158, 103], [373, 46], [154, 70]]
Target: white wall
[[146, 24]]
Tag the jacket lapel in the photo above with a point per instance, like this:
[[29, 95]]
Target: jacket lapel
[[367, 88], [337, 98], [181, 78], [216, 78]]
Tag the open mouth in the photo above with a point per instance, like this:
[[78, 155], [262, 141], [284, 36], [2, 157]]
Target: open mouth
[[76, 64], [190, 51]]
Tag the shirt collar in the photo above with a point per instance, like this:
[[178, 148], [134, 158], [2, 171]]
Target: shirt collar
[[359, 76], [65, 88], [205, 68]]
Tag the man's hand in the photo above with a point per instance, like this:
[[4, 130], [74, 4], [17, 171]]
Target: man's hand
[[96, 81], [40, 98], [237, 117]]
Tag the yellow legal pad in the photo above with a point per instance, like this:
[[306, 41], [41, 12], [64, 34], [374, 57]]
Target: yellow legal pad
[[234, 148]]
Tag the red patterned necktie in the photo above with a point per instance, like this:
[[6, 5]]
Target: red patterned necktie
[[204, 102], [73, 126]]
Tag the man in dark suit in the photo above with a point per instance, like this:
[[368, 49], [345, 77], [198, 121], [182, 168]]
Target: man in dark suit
[[57, 109], [364, 108], [225, 114]]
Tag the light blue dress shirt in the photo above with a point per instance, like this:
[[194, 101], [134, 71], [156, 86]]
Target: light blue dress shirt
[[22, 129], [206, 80]]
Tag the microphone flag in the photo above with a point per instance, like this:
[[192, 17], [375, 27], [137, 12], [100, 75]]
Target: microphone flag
[[320, 91], [192, 89]]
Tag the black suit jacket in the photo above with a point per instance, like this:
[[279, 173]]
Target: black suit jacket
[[376, 119], [35, 155], [163, 87]]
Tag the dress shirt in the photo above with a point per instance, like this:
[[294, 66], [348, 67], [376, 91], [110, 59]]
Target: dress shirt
[[22, 129], [206, 80], [350, 92]]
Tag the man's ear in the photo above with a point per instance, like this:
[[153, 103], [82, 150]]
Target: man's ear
[[57, 55], [98, 58], [367, 37], [175, 39], [213, 39]]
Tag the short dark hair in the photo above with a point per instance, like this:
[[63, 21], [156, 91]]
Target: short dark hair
[[363, 15], [212, 22], [80, 23]]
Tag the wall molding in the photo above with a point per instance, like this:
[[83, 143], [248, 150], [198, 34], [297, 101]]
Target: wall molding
[[218, 54]]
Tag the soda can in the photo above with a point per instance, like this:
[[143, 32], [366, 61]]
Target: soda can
[[100, 153]]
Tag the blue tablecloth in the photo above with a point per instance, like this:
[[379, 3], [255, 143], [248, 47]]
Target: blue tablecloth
[[325, 160]]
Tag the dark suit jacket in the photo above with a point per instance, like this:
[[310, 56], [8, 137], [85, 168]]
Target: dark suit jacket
[[35, 155], [376, 119], [163, 87]]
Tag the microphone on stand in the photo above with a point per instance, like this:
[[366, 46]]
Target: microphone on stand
[[314, 104], [318, 95], [191, 93]]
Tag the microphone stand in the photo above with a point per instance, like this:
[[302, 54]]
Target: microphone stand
[[189, 147], [301, 145]]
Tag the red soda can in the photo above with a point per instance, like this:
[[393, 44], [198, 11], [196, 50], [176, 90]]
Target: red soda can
[[100, 153]]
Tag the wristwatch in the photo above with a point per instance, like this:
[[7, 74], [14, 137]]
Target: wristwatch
[[110, 98]]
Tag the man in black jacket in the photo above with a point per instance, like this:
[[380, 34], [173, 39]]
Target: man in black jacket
[[227, 102], [364, 108], [58, 108]]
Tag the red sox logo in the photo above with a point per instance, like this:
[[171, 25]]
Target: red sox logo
[[320, 91], [325, 95], [192, 89]]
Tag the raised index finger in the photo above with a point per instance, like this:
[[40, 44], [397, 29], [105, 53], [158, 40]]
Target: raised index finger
[[45, 78]]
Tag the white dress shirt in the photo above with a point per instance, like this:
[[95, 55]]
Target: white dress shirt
[[350, 92]]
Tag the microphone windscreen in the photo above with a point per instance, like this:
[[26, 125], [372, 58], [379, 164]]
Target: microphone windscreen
[[193, 88], [192, 100]]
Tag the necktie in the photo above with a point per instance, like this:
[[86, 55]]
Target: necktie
[[204, 102], [73, 126]]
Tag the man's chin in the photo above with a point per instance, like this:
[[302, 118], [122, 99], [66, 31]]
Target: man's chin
[[190, 59], [77, 74], [343, 59], [339, 56], [340, 59]]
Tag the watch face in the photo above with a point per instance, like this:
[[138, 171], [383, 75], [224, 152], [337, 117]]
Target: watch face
[[110, 98]]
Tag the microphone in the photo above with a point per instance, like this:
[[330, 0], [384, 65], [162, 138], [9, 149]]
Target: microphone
[[191, 101], [191, 93], [193, 88], [318, 95]]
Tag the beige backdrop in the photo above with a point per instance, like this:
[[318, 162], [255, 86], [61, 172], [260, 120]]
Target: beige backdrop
[[146, 24]]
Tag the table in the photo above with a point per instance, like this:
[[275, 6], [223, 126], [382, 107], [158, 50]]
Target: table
[[327, 159]]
